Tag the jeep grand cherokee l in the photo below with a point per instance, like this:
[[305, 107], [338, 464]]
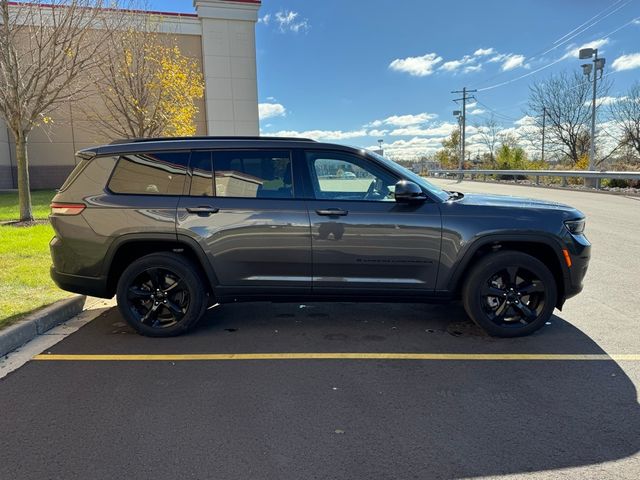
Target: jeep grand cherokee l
[[170, 226]]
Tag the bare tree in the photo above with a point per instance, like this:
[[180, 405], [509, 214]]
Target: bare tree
[[566, 98], [489, 135], [45, 53], [626, 114]]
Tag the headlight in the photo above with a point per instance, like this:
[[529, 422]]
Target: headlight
[[575, 226]]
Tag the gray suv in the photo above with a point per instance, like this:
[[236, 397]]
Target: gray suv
[[171, 226]]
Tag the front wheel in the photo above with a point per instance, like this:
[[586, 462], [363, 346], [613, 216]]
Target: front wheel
[[161, 295], [509, 294]]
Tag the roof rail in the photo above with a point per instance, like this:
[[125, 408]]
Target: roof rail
[[168, 139]]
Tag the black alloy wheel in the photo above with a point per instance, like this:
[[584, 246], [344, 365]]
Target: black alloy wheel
[[509, 294], [162, 294]]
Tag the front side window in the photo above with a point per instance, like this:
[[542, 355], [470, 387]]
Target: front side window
[[339, 176], [253, 174], [150, 173]]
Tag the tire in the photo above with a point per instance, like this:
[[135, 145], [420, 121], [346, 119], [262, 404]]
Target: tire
[[509, 294], [161, 295]]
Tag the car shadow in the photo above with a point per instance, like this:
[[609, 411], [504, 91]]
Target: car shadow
[[399, 418]]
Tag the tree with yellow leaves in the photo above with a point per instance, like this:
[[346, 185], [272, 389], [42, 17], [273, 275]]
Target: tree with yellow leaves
[[147, 86]]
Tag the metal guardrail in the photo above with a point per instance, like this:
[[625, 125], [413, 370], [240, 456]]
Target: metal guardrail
[[542, 173]]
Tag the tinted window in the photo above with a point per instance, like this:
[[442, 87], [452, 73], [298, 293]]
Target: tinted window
[[249, 174], [201, 174], [339, 176], [150, 173]]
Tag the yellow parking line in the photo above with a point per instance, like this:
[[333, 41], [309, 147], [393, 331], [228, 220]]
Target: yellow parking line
[[338, 356]]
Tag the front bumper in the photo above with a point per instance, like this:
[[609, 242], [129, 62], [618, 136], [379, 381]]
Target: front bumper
[[580, 253]]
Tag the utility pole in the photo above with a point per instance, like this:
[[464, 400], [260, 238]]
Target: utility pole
[[544, 122], [464, 99]]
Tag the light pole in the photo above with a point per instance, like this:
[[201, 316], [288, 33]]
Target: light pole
[[587, 69]]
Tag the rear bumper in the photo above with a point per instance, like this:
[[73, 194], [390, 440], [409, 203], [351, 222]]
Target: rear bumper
[[92, 286]]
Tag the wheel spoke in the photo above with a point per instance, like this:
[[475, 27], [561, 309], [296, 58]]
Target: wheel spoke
[[490, 290], [529, 314], [534, 286], [175, 285], [137, 292], [156, 278], [175, 310], [512, 272], [151, 315]]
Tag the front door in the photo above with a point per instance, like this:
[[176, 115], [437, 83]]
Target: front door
[[242, 209], [361, 238]]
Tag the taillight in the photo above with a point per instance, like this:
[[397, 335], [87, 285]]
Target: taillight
[[67, 208]]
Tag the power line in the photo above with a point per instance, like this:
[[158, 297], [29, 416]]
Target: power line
[[496, 113], [584, 29], [543, 52], [583, 24]]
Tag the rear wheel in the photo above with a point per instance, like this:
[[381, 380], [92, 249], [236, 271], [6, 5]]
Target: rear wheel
[[161, 295], [509, 294]]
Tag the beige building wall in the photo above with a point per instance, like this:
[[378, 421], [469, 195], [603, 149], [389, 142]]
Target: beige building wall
[[6, 180], [221, 38]]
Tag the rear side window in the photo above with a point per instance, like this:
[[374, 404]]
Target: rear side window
[[161, 173], [75, 173], [253, 174]]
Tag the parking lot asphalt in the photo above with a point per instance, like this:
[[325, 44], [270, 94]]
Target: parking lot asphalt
[[226, 417]]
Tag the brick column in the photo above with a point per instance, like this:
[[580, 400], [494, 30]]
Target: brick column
[[229, 61]]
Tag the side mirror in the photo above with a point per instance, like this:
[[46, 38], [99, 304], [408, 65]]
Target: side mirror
[[407, 192]]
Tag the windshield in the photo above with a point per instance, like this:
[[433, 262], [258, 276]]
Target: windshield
[[409, 175]]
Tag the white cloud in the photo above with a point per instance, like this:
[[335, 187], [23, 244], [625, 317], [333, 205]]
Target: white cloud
[[290, 21], [444, 129], [413, 148], [626, 62], [377, 133], [573, 51], [497, 58], [403, 120], [526, 120], [269, 110], [265, 19], [472, 68], [607, 100], [483, 51], [321, 134], [467, 61], [636, 21], [512, 61], [477, 111], [416, 66]]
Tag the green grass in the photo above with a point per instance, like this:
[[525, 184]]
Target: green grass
[[40, 200], [24, 260]]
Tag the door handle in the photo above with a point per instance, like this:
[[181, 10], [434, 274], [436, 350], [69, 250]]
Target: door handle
[[332, 212], [204, 211]]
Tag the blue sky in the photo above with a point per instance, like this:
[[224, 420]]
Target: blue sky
[[358, 70]]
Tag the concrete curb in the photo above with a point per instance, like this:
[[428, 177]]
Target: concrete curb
[[39, 322]]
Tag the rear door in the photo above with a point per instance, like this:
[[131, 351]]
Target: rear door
[[362, 240], [242, 208]]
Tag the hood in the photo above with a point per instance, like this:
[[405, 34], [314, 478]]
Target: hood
[[481, 199]]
